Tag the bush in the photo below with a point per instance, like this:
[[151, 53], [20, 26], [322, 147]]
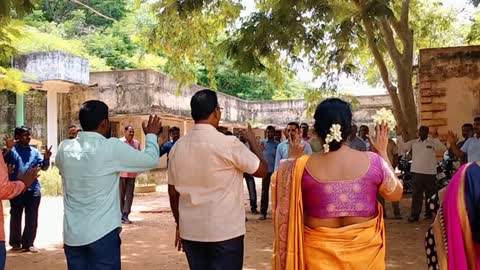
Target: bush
[[51, 182]]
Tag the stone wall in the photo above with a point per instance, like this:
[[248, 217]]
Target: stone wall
[[35, 113], [140, 92], [449, 87]]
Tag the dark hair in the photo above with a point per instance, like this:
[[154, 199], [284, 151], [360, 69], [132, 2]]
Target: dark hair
[[476, 119], [427, 129], [92, 113], [172, 129], [468, 125], [333, 111], [20, 130], [228, 133], [203, 104], [270, 128], [364, 126], [72, 126], [127, 127], [304, 124], [294, 124]]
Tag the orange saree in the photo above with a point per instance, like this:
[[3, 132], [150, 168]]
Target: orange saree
[[296, 247]]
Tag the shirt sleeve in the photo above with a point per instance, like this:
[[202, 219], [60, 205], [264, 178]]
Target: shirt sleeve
[[244, 159], [8, 189], [408, 145], [166, 147], [129, 159], [171, 168], [278, 156], [386, 173], [465, 146], [439, 146], [308, 149]]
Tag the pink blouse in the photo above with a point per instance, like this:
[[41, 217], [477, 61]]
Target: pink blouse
[[347, 198]]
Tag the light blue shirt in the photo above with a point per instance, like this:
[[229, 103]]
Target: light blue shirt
[[282, 151], [472, 148], [90, 166]]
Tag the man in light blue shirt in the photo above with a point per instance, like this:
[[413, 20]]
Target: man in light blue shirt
[[293, 128], [471, 147], [90, 166]]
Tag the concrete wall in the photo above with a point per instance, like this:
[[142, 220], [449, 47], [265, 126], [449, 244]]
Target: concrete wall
[[449, 87], [35, 113], [47, 66], [146, 91]]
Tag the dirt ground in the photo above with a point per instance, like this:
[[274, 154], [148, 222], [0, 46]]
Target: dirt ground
[[148, 243]]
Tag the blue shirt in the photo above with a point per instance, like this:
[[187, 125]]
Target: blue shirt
[[23, 158], [472, 148], [166, 147], [269, 153], [90, 167], [282, 151]]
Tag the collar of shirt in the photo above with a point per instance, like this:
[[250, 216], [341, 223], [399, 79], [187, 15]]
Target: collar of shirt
[[90, 134], [204, 127]]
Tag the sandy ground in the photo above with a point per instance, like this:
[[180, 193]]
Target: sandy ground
[[148, 243]]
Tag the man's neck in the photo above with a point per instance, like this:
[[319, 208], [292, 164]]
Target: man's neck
[[23, 145]]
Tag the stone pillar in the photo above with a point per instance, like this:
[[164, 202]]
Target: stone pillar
[[52, 121], [20, 110]]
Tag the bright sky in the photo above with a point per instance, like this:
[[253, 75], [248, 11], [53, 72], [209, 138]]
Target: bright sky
[[350, 85]]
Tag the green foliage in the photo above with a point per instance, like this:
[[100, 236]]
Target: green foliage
[[60, 11], [18, 7], [315, 96], [51, 182], [36, 41], [473, 37], [188, 36]]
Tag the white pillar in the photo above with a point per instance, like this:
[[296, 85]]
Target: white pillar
[[52, 121]]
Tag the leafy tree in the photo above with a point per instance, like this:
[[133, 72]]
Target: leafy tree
[[334, 36], [10, 31]]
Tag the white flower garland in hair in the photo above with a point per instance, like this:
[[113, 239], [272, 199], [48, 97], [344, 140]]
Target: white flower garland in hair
[[334, 135]]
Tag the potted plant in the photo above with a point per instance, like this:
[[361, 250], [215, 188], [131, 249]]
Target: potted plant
[[145, 183]]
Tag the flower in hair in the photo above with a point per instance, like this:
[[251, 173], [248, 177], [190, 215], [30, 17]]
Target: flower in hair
[[334, 135]]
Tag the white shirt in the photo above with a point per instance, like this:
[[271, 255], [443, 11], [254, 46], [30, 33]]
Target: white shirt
[[401, 146], [424, 154], [472, 148], [206, 168]]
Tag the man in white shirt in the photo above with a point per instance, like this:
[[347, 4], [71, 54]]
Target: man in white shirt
[[424, 169], [471, 147], [205, 178]]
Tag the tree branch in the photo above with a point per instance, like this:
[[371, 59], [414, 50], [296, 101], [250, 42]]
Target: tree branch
[[404, 14], [377, 55], [93, 10], [392, 49]]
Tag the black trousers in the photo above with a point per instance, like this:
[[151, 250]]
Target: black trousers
[[127, 187], [422, 183], [224, 255], [252, 190], [265, 192], [25, 201]]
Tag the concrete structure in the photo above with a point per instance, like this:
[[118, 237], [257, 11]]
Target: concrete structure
[[48, 74], [449, 87], [60, 85]]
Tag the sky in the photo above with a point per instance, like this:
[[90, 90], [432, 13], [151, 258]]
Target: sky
[[349, 85]]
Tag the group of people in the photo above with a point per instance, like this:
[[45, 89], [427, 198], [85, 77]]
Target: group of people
[[325, 189]]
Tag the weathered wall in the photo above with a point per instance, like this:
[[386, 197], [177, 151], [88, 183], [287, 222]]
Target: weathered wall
[[35, 113], [47, 66], [147, 91], [449, 87]]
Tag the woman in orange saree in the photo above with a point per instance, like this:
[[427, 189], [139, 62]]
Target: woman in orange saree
[[321, 222]]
